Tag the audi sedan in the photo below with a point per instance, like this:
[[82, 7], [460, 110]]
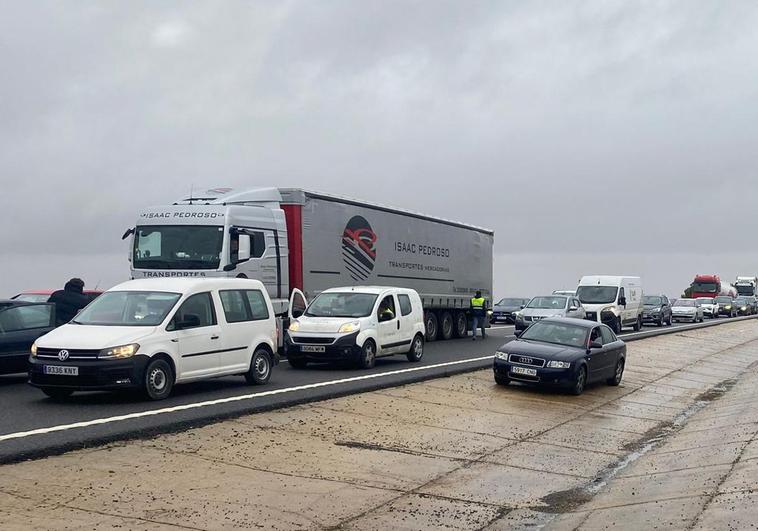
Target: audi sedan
[[562, 352]]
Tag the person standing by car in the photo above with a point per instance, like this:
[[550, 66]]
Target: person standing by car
[[68, 301], [479, 313]]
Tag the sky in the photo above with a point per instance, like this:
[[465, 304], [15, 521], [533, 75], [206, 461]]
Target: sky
[[605, 137]]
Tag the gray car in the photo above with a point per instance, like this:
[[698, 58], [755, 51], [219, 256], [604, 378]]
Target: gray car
[[549, 306], [504, 309]]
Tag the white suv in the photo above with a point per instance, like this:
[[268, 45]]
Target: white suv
[[357, 324], [152, 333]]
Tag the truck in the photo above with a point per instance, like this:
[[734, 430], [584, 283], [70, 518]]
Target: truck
[[299, 243], [705, 286], [746, 286]]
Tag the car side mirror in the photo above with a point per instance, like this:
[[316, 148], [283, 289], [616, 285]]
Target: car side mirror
[[573, 308], [386, 316], [523, 306], [190, 321], [518, 333], [596, 343]]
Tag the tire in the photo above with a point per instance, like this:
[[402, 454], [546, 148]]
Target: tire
[[259, 372], [618, 374], [367, 355], [638, 325], [617, 325], [431, 323], [446, 326], [580, 383], [502, 380], [417, 349], [56, 393], [298, 363], [460, 325], [661, 322], [158, 380], [670, 320]]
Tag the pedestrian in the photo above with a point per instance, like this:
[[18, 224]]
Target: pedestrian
[[68, 301], [479, 313]]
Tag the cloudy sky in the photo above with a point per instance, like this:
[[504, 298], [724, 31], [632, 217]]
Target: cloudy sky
[[593, 137]]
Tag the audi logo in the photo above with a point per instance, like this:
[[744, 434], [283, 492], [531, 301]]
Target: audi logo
[[526, 360], [63, 355]]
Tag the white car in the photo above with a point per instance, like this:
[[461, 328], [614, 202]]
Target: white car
[[149, 334], [357, 324], [710, 307], [687, 309]]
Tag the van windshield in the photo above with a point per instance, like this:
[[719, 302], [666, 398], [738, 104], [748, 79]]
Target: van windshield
[[597, 294], [178, 246], [128, 308], [341, 305]]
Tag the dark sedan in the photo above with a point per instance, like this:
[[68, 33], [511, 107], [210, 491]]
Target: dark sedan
[[505, 308], [744, 306], [568, 353], [21, 323]]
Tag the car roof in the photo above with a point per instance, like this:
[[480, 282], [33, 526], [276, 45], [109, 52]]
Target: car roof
[[581, 323], [183, 285], [372, 290]]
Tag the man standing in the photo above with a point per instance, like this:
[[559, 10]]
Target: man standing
[[479, 313], [68, 301]]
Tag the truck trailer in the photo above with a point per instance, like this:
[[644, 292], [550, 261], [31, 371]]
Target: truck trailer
[[299, 243]]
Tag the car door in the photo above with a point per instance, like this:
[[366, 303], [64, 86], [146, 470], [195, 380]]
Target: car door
[[20, 326], [238, 330], [388, 327], [614, 348], [575, 309], [195, 329], [597, 359], [407, 321], [665, 308]]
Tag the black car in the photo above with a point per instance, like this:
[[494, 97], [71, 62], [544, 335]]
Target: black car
[[21, 323], [504, 309], [656, 309], [564, 352], [727, 305], [744, 306]]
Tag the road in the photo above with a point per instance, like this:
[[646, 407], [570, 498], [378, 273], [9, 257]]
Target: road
[[31, 425]]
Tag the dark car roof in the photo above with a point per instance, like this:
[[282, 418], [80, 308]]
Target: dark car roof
[[581, 323], [6, 303]]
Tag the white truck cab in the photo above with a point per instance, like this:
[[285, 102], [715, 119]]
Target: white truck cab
[[152, 333], [356, 324], [613, 300]]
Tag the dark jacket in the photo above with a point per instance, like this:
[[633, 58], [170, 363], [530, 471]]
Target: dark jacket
[[68, 301]]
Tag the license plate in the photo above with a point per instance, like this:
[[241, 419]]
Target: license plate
[[312, 348], [64, 371], [524, 371]]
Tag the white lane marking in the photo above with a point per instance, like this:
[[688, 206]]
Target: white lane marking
[[206, 403]]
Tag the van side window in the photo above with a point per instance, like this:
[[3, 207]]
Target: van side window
[[405, 304], [387, 304], [235, 309], [200, 305], [257, 302]]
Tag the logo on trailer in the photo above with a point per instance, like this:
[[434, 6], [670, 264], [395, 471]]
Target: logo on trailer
[[359, 248], [63, 355]]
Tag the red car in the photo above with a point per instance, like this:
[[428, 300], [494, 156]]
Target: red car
[[41, 295]]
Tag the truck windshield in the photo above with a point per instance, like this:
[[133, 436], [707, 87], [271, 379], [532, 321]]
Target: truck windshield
[[704, 287], [547, 303], [128, 308], [745, 290], [341, 305], [178, 247], [597, 294]]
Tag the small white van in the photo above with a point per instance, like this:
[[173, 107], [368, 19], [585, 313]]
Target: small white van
[[613, 300], [149, 334], [357, 324]]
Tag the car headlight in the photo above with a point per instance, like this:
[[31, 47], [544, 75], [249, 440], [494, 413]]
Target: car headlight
[[349, 327], [123, 351], [743, 308], [34, 349], [501, 355], [655, 310], [558, 364], [728, 307], [294, 326]]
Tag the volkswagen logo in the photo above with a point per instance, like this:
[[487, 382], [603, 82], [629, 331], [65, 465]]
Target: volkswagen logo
[[523, 359], [63, 355]]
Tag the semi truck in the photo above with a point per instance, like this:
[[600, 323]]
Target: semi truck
[[705, 286], [746, 286], [299, 243]]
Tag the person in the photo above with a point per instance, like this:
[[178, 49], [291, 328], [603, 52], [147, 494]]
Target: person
[[479, 313], [68, 301]]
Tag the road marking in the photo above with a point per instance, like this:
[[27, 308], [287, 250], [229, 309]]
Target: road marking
[[206, 403]]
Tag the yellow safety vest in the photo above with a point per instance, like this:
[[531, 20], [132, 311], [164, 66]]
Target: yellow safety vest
[[477, 303]]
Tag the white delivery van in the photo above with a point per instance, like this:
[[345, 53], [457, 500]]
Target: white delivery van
[[149, 334], [357, 324], [613, 300]]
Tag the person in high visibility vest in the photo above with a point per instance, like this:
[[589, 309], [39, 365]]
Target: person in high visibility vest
[[479, 313]]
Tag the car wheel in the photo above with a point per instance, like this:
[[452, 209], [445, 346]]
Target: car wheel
[[430, 321], [638, 325], [446, 325], [159, 380], [460, 324], [581, 381], [260, 368], [661, 321], [57, 394], [618, 374], [417, 349], [298, 363], [367, 356], [502, 380]]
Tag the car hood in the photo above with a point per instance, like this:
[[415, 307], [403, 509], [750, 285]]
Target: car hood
[[542, 350], [326, 325], [684, 308], [535, 312], [89, 337], [506, 308]]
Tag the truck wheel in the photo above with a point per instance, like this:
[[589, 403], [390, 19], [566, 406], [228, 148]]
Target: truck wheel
[[460, 324], [57, 394], [430, 320], [159, 380], [260, 368], [446, 325], [417, 349], [367, 355]]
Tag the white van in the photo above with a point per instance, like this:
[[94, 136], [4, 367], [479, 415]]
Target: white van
[[357, 324], [613, 300], [149, 334]]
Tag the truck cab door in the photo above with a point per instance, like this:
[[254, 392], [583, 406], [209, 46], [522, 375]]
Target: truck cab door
[[298, 304]]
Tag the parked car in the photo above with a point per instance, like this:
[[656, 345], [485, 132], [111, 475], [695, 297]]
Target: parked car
[[744, 306], [710, 307], [357, 324], [687, 310], [43, 295], [562, 352], [549, 306], [656, 310], [21, 323], [149, 334], [504, 309], [726, 306]]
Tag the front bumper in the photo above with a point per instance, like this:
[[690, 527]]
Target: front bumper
[[94, 375], [652, 317], [692, 316], [545, 376], [343, 348]]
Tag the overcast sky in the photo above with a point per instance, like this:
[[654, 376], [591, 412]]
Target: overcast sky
[[593, 137]]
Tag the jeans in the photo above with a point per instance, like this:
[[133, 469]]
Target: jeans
[[478, 322]]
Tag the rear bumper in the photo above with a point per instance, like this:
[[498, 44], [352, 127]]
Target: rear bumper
[[344, 348], [95, 375]]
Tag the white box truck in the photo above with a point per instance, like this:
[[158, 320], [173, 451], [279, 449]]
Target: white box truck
[[612, 300], [299, 243]]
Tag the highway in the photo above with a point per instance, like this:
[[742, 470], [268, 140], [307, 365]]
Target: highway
[[32, 425]]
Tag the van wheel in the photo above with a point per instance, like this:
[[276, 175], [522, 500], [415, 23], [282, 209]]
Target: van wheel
[[430, 321], [446, 325], [159, 380], [417, 349], [57, 394], [617, 325], [460, 325], [260, 368], [367, 357]]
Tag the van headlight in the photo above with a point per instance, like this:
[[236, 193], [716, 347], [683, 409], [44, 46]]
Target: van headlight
[[553, 364], [123, 351], [34, 349], [294, 326], [349, 327]]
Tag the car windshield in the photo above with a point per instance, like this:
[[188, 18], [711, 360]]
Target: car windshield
[[651, 300], [178, 247], [32, 297], [557, 333], [727, 300], [704, 287], [547, 303], [685, 302], [510, 302], [740, 300], [341, 305], [597, 294], [128, 308]]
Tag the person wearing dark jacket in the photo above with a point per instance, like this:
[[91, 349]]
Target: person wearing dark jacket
[[68, 301]]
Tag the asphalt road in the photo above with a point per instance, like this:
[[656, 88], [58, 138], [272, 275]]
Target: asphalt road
[[32, 425]]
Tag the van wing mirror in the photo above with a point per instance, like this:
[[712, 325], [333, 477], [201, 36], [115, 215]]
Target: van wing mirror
[[128, 233], [622, 301]]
